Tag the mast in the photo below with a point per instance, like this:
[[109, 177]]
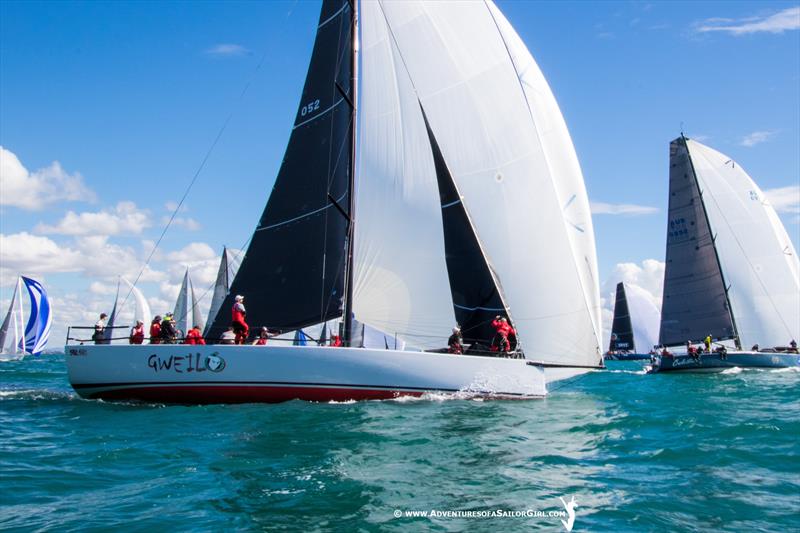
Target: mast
[[347, 316], [714, 246]]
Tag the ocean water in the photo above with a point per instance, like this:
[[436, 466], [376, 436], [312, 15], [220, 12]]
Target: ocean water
[[636, 452]]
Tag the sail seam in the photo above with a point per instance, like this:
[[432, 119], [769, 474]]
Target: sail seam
[[321, 24]]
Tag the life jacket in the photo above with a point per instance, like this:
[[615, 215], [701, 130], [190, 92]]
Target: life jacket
[[238, 313], [137, 335], [155, 330], [336, 341], [194, 337]]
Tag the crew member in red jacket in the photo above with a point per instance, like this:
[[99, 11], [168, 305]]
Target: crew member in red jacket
[[137, 333], [155, 330], [194, 336], [502, 330], [238, 315]]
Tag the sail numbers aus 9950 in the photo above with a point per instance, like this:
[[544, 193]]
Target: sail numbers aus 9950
[[309, 108]]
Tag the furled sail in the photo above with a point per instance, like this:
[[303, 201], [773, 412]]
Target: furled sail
[[187, 311], [530, 213], [37, 331], [759, 263], [695, 303], [293, 271], [228, 267], [12, 330]]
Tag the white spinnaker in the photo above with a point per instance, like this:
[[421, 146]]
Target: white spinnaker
[[758, 261], [13, 327], [401, 284], [463, 73], [645, 317], [562, 162], [142, 309]]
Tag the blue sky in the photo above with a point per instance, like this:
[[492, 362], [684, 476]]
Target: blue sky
[[110, 108]]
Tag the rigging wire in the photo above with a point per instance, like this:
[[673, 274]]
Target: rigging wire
[[202, 165]]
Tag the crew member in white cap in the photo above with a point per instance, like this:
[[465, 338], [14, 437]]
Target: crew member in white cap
[[238, 315]]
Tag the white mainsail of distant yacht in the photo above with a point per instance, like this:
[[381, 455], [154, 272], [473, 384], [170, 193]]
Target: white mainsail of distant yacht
[[228, 267], [732, 272], [429, 180], [187, 311], [17, 339]]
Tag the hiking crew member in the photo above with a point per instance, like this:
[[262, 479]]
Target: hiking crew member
[[194, 336], [455, 342], [137, 333], [238, 315], [155, 330], [502, 330], [707, 342]]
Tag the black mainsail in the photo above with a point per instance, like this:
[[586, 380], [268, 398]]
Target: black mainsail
[[621, 327], [695, 302], [476, 297], [293, 272]]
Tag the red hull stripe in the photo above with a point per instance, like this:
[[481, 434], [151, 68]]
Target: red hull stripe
[[201, 394]]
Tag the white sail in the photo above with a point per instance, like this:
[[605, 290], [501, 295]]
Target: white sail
[[108, 332], [401, 285], [464, 74], [228, 267], [645, 317], [142, 310], [187, 311], [13, 327], [757, 258]]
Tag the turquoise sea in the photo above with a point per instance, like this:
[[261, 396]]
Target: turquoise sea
[[637, 453]]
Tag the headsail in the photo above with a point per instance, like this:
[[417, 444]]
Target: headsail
[[293, 271], [12, 329], [759, 263], [37, 330], [461, 60]]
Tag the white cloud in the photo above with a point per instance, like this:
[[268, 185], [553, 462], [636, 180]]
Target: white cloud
[[187, 223], [785, 199], [757, 137], [125, 218], [786, 20], [602, 208], [227, 49], [36, 190], [26, 253]]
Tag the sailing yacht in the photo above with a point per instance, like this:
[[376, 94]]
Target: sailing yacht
[[731, 272], [429, 181], [634, 330], [18, 338]]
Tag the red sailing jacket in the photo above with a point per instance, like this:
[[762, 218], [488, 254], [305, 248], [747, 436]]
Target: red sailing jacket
[[238, 313], [194, 337]]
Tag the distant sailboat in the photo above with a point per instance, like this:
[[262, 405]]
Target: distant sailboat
[[187, 311], [731, 272], [228, 267], [15, 341], [634, 330]]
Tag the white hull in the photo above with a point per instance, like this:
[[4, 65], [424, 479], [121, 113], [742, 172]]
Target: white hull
[[240, 374]]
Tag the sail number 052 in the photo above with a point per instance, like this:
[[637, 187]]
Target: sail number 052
[[309, 108]]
